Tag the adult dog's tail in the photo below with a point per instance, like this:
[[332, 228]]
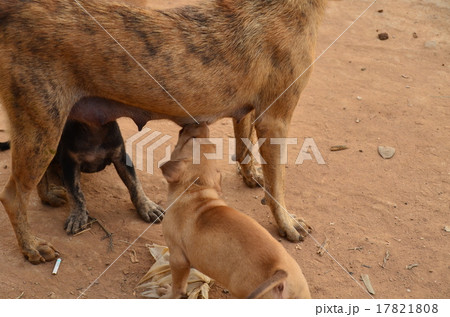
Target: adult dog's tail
[[275, 284]]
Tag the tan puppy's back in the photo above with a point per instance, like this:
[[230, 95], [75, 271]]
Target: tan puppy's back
[[235, 240]]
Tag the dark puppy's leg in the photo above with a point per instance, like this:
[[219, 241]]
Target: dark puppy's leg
[[78, 211], [147, 209], [51, 189], [249, 171]]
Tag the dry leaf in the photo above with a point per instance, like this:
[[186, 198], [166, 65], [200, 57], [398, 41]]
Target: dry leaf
[[155, 283], [133, 257]]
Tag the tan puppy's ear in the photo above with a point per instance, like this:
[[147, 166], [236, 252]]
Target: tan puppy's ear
[[173, 170]]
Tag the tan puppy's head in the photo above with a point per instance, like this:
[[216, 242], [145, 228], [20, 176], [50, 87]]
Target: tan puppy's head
[[183, 168]]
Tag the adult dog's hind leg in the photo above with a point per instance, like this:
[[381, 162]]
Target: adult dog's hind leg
[[246, 162], [275, 124]]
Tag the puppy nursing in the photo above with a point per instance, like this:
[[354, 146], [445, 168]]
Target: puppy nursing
[[203, 232]]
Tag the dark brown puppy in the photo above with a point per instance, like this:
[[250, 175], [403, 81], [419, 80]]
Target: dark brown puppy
[[218, 58], [89, 149], [203, 232]]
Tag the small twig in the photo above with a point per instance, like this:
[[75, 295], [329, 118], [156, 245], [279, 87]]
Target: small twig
[[386, 258], [411, 266], [322, 249], [20, 296], [338, 148], [82, 231], [108, 234], [355, 249]]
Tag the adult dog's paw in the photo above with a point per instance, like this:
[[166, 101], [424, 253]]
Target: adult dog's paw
[[294, 229], [38, 251]]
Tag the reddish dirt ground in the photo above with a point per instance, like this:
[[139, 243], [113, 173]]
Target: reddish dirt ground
[[363, 93]]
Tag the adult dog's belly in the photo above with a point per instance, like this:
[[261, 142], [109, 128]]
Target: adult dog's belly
[[96, 110]]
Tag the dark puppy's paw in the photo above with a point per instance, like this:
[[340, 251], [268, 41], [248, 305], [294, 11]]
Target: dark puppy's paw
[[57, 196], [150, 211], [53, 195], [76, 222]]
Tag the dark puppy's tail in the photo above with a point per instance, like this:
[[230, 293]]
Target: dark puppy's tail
[[5, 146], [275, 284]]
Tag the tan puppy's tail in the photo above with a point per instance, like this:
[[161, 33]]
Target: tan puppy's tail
[[274, 284]]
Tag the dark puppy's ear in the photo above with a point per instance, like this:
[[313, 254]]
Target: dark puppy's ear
[[172, 170]]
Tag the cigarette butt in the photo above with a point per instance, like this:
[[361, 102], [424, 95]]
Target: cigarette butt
[[56, 267]]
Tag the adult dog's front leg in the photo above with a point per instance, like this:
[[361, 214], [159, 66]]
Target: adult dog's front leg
[[32, 146], [15, 201], [274, 177], [147, 209]]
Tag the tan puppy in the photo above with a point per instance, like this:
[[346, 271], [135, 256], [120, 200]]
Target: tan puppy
[[203, 232]]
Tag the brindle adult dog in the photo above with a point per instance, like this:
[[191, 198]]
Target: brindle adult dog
[[218, 58]]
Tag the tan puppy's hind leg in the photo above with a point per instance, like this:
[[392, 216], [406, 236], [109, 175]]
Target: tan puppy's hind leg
[[180, 267]]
